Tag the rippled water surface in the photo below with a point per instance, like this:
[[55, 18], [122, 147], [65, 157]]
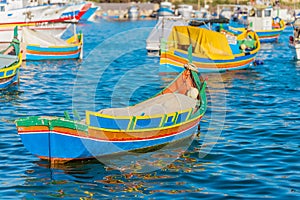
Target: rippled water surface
[[248, 146]]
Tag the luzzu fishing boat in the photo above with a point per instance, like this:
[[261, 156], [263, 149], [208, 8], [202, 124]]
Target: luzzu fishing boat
[[212, 51], [173, 114], [261, 21], [10, 62], [42, 46]]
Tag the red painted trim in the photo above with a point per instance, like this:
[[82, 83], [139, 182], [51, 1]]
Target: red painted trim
[[192, 124]]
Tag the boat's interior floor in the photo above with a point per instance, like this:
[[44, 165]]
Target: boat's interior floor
[[162, 104]]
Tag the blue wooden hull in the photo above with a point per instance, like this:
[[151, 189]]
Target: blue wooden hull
[[39, 143], [52, 53], [168, 68], [51, 57]]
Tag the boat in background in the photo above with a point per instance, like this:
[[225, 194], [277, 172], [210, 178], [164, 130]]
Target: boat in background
[[202, 14], [165, 9], [171, 115], [294, 41], [260, 19], [186, 11], [73, 12], [133, 12], [10, 62], [40, 14], [41, 46], [89, 14], [212, 51], [161, 30]]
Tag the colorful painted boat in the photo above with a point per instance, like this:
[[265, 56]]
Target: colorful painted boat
[[294, 41], [261, 21], [171, 115], [41, 46], [212, 51], [165, 9], [10, 62]]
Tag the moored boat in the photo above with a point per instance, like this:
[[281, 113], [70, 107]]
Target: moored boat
[[212, 51], [10, 62], [133, 12], [41, 46], [185, 10], [165, 9], [89, 14], [49, 13], [171, 115], [161, 30], [260, 20]]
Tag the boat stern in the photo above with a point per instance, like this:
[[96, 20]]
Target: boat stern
[[35, 132]]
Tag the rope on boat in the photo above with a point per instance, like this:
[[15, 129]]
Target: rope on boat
[[191, 67]]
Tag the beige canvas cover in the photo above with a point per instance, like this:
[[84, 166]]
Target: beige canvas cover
[[7, 60], [162, 104], [40, 38]]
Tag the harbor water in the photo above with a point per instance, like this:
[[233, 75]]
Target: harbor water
[[249, 141]]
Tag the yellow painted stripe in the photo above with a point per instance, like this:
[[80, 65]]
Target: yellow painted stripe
[[139, 130], [128, 117]]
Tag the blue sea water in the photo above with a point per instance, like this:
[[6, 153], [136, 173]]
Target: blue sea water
[[249, 146]]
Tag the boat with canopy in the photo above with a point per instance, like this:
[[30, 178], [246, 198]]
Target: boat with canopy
[[212, 51]]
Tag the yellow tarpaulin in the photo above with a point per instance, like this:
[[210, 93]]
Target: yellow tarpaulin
[[206, 43]]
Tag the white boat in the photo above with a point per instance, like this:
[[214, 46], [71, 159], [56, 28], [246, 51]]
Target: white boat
[[185, 10], [161, 30], [22, 15], [165, 9], [55, 29], [294, 42], [133, 12], [202, 13], [12, 12]]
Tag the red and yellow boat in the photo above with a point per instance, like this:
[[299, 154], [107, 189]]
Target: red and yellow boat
[[212, 51]]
